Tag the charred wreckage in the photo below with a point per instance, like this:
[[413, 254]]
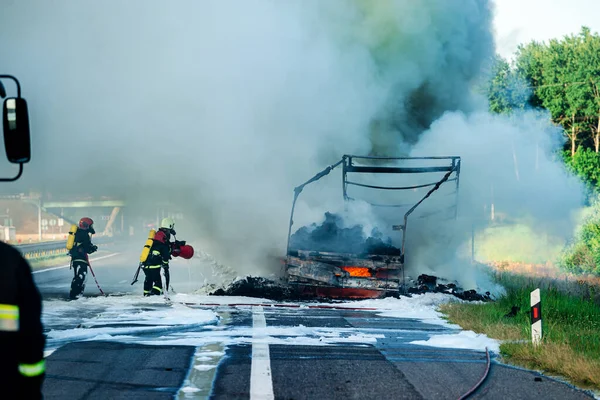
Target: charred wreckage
[[327, 262], [331, 262]]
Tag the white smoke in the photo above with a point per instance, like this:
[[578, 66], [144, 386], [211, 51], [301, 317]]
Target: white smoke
[[508, 161], [224, 106]]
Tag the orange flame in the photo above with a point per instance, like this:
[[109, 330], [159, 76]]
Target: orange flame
[[358, 271]]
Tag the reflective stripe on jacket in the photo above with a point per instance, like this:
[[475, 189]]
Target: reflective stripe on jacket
[[22, 339]]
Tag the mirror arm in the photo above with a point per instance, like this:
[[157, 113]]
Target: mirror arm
[[16, 81], [16, 177]]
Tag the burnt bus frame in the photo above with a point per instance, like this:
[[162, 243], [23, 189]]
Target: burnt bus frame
[[348, 166]]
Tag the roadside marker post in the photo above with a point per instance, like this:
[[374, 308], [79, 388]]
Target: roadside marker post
[[536, 317]]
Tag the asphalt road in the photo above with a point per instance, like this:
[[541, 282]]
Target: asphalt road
[[114, 272], [252, 351]]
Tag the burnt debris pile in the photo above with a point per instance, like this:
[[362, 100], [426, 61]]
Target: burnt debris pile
[[331, 236], [267, 289], [428, 283], [258, 287]]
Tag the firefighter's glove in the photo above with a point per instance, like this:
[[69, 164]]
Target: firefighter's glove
[[93, 249]]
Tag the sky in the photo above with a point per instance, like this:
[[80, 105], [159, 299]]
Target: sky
[[520, 21]]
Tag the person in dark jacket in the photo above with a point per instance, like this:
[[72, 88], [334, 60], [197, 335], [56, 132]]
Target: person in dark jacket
[[79, 255], [22, 340], [160, 254]]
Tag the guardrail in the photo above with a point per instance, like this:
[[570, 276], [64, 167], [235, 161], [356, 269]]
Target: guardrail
[[53, 249]]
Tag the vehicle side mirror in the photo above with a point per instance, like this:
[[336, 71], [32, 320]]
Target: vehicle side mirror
[[15, 121]]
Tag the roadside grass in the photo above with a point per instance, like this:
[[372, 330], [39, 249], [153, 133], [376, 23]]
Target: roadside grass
[[547, 270], [571, 326]]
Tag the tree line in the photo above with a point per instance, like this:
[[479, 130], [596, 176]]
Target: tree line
[[561, 76]]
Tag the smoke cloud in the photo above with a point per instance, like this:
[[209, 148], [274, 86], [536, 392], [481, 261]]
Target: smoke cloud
[[222, 107], [506, 161]]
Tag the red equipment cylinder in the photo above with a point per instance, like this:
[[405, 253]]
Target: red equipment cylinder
[[186, 251]]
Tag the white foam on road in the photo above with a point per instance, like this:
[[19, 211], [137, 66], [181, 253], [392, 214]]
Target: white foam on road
[[118, 318], [424, 308], [68, 265], [132, 318], [221, 300], [461, 340], [189, 389], [316, 337], [149, 320]]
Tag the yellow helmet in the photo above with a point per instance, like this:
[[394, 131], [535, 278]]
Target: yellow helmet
[[167, 223]]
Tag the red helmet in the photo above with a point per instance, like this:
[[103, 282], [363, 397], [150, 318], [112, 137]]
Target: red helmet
[[86, 223]]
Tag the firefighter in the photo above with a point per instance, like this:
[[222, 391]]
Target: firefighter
[[160, 254], [22, 341], [79, 255]]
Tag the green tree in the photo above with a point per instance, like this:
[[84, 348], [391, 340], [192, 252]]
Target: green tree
[[583, 255], [589, 75], [506, 90], [565, 75], [528, 64], [585, 164], [559, 92]]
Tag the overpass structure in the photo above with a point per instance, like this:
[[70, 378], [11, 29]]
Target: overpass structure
[[110, 215]]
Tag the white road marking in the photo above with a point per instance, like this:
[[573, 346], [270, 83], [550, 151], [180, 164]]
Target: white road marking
[[68, 265], [261, 381]]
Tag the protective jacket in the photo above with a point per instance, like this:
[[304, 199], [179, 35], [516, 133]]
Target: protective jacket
[[160, 252], [22, 341], [83, 246], [158, 258]]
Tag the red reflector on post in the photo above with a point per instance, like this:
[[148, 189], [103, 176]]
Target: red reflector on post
[[536, 317]]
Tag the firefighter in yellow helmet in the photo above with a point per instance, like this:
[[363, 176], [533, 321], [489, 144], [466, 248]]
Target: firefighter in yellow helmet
[[160, 254]]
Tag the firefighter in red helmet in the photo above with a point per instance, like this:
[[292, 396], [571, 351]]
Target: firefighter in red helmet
[[79, 255]]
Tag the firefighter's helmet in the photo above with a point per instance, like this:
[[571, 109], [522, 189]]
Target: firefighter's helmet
[[85, 223], [167, 223]]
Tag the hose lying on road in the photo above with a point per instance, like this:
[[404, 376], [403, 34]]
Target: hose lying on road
[[94, 275], [485, 374]]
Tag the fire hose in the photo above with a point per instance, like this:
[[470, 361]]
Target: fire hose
[[478, 384], [94, 275]]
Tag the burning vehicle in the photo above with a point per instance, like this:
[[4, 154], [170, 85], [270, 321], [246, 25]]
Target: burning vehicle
[[339, 262]]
